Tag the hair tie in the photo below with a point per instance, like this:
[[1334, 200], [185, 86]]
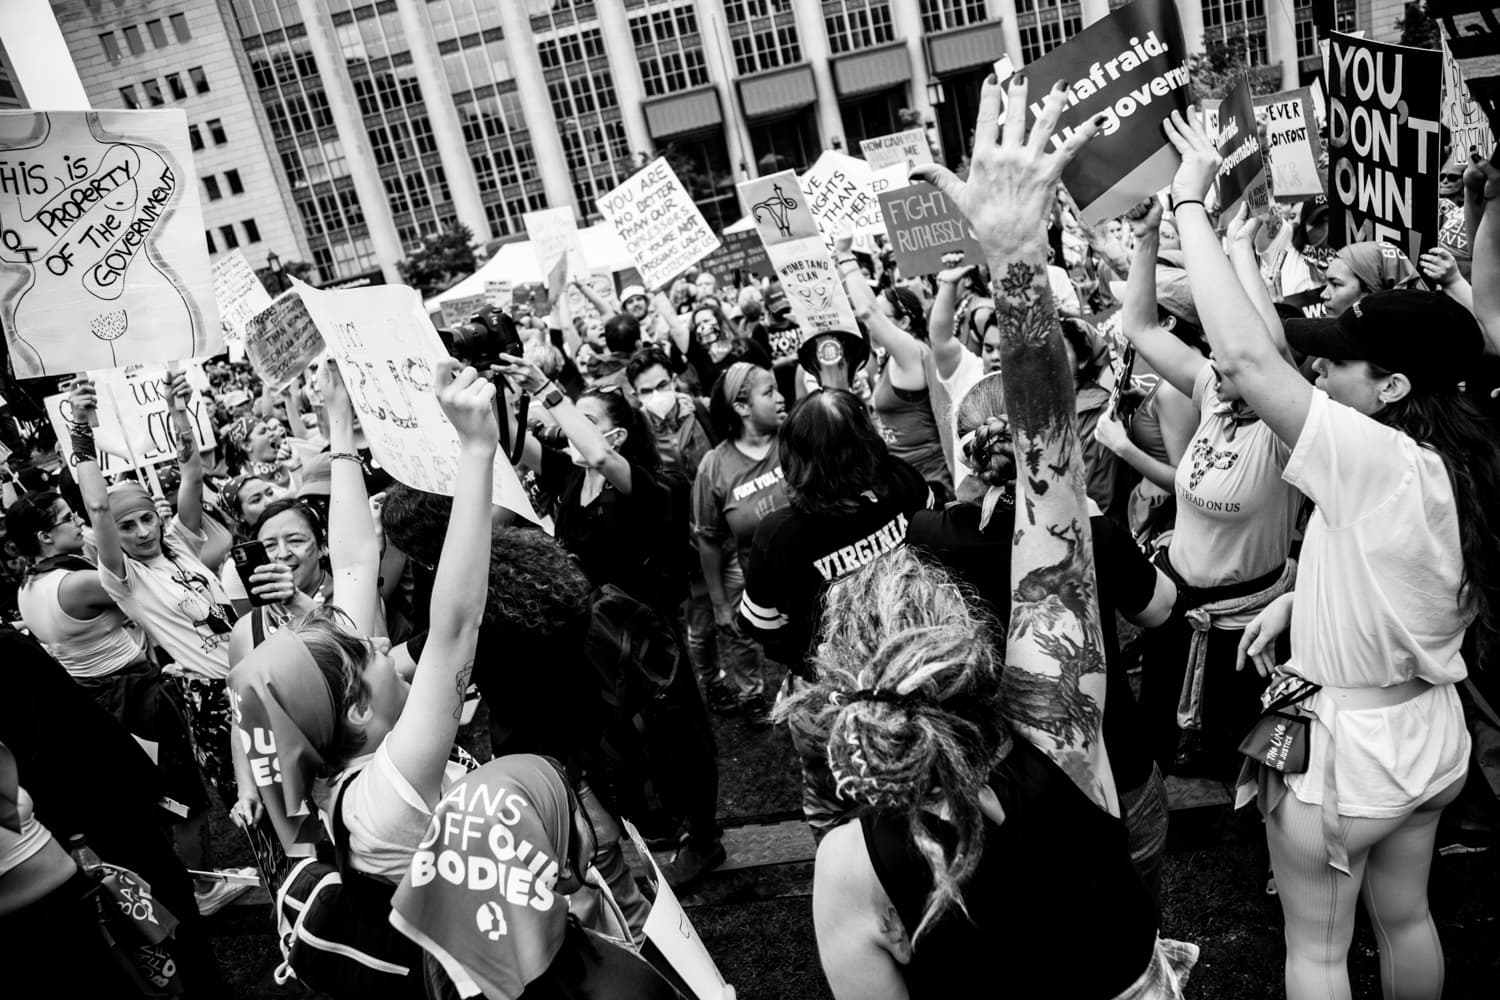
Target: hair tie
[[910, 701]]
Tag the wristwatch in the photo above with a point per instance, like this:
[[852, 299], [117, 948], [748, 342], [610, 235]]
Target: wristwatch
[[552, 398]]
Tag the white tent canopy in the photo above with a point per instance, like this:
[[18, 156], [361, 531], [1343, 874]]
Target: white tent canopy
[[516, 263]]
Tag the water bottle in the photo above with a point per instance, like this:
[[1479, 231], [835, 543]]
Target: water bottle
[[88, 862]]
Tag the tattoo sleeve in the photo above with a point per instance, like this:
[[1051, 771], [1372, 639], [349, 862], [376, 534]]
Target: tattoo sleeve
[[1054, 681]]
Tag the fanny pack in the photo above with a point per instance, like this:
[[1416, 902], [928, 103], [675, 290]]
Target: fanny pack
[[1281, 738]]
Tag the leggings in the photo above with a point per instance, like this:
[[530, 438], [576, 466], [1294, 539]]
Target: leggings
[[1389, 861]]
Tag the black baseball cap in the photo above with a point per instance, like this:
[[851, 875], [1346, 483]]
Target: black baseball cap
[[1426, 336]]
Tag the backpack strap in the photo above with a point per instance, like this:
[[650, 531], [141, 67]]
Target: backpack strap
[[340, 831], [257, 626], [701, 414]]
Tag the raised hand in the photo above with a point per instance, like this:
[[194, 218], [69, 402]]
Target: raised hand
[[1011, 191], [83, 398], [1439, 267], [468, 402], [1243, 227], [331, 389], [1200, 160]]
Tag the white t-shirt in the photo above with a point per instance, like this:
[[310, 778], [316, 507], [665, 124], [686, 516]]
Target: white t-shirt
[[1376, 605], [383, 813], [179, 602], [1235, 514], [969, 371], [1064, 295]]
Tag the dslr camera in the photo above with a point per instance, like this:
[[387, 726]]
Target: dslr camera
[[482, 338]]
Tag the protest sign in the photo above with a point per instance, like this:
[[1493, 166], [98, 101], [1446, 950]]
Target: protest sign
[[1292, 144], [923, 226], [795, 245], [460, 310], [135, 423], [668, 927], [1384, 146], [602, 281], [660, 225], [533, 295], [387, 351], [101, 238], [1208, 110], [838, 193], [905, 149], [1472, 32], [240, 295], [1464, 118], [554, 236], [282, 340], [499, 293], [1130, 66], [741, 255], [1242, 172]]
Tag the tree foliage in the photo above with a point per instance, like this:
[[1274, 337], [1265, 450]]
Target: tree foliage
[[1417, 27], [1217, 69], [441, 260]]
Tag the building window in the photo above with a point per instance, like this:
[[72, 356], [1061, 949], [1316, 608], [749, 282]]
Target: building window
[[152, 90], [1307, 40], [227, 234], [158, 33], [216, 130], [252, 231], [111, 46], [232, 178], [127, 94], [208, 236], [174, 84], [200, 82], [133, 39], [1046, 24], [195, 138], [857, 24], [180, 27], [940, 14], [211, 185]]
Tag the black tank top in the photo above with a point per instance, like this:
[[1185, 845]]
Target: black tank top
[[1057, 908]]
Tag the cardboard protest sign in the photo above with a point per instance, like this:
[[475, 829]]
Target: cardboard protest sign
[[1292, 144], [741, 254], [668, 927], [499, 293], [1471, 30], [603, 284], [135, 423], [905, 149], [1463, 116], [240, 295], [554, 237], [459, 310], [102, 232], [282, 340], [1208, 110], [387, 351], [838, 193], [1131, 66], [1384, 144], [796, 248], [1242, 174], [660, 225], [924, 226]]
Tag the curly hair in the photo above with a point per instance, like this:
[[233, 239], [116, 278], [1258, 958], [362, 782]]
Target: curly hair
[[536, 586], [907, 698], [341, 657], [831, 453]]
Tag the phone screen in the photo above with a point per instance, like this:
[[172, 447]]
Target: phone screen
[[248, 557]]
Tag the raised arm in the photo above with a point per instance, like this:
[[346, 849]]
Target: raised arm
[[1054, 680], [582, 432], [905, 350], [1240, 234], [420, 741], [677, 327], [189, 461], [947, 351], [95, 491], [1243, 350], [1172, 359], [606, 308], [353, 548], [1481, 187], [1440, 268]]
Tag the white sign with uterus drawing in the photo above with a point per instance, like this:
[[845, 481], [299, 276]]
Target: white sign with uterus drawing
[[795, 245]]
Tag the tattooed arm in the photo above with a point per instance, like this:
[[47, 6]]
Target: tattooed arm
[[189, 462], [1054, 680], [862, 942], [419, 742]]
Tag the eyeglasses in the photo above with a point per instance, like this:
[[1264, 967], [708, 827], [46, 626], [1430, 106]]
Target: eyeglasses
[[69, 518]]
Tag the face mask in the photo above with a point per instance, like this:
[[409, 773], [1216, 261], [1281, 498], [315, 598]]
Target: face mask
[[661, 403]]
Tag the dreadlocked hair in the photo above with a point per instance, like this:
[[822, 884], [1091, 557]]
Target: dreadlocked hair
[[907, 698]]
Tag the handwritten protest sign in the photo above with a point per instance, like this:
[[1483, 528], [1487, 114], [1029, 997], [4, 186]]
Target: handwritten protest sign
[[1131, 66], [102, 235], [1292, 144], [1384, 144], [1472, 32], [240, 295], [282, 341], [387, 351], [1462, 115], [499, 293], [554, 236], [1208, 110], [742, 254], [906, 149], [924, 226], [838, 193], [658, 222], [1242, 174], [460, 310], [602, 282], [135, 423], [797, 250], [668, 927]]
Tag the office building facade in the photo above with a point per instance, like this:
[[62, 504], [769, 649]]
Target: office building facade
[[341, 132]]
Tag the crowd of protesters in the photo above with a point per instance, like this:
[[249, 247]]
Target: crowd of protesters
[[1035, 535]]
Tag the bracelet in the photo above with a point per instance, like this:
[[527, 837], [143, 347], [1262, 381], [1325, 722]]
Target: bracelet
[[348, 456], [846, 260], [1188, 201]]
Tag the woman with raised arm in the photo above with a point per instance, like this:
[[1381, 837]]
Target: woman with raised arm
[[990, 843], [1233, 531], [1400, 557]]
